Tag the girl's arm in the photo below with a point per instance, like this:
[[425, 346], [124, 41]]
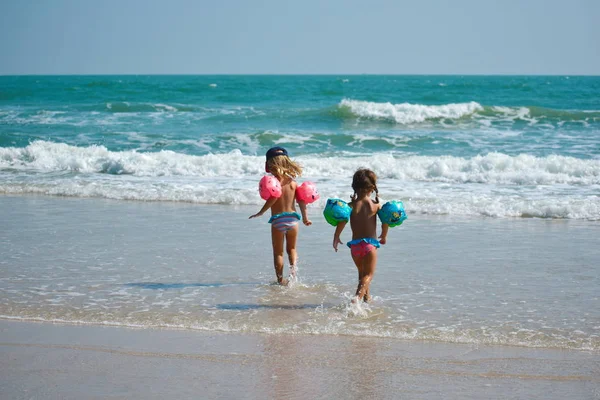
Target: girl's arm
[[268, 204], [336, 236], [384, 227], [384, 232], [305, 219]]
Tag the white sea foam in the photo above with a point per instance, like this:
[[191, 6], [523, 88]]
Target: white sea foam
[[495, 185], [495, 168], [165, 107], [42, 117], [51, 157], [406, 113], [511, 114]]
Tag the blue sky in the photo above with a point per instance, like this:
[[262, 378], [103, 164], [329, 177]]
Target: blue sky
[[300, 37]]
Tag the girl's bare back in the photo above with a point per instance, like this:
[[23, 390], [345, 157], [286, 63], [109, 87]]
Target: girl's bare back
[[363, 219], [286, 203]]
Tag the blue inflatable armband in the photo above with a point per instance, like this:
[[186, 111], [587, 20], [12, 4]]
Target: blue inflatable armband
[[336, 211], [392, 213]]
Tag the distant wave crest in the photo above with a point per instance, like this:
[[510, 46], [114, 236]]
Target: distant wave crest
[[406, 113], [127, 107]]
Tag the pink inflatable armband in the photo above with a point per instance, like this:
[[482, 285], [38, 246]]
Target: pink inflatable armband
[[269, 187], [307, 193]]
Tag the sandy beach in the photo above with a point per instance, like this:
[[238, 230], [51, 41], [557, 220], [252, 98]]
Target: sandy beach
[[85, 362]]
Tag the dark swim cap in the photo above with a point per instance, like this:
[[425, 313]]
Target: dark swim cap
[[276, 151]]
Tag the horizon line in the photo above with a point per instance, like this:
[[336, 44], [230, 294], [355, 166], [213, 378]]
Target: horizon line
[[296, 74]]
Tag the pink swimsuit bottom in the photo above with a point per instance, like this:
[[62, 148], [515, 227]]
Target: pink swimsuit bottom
[[362, 247]]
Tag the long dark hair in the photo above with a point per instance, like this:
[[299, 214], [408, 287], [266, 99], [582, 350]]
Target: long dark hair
[[364, 180]]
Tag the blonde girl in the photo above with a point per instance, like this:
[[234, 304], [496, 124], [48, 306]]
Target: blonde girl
[[284, 218]]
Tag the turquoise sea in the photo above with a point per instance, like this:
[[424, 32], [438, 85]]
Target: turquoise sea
[[497, 146], [124, 200]]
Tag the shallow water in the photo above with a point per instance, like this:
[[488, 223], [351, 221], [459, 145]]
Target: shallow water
[[522, 282]]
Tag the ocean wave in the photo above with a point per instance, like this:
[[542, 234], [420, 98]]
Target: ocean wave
[[409, 114], [406, 113], [128, 107], [424, 200], [498, 168], [51, 157], [472, 115], [493, 185]]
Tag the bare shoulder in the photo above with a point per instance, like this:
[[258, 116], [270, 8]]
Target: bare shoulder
[[375, 207], [288, 182]]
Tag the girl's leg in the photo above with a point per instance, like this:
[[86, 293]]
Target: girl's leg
[[367, 296], [366, 268], [358, 262], [290, 247], [277, 241]]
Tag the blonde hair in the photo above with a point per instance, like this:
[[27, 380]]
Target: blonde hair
[[364, 180], [281, 166]]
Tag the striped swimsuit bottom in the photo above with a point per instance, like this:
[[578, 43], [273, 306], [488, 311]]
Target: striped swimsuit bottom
[[285, 221]]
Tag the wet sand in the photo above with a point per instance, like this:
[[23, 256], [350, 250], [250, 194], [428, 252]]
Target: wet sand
[[42, 360]]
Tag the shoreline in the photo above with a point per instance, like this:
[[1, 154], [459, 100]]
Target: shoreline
[[315, 209], [65, 361], [406, 341]]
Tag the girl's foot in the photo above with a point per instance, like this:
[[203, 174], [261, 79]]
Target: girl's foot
[[283, 282], [367, 298]]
